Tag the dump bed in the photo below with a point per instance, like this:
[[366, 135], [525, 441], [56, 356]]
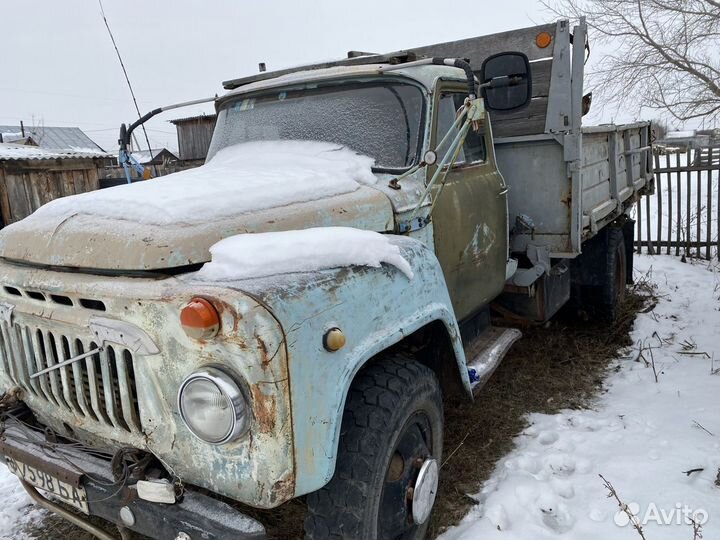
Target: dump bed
[[553, 203]]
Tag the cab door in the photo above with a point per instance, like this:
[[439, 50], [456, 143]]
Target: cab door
[[470, 213]]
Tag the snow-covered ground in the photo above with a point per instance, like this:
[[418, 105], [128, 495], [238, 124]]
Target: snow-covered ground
[[16, 509], [656, 441]]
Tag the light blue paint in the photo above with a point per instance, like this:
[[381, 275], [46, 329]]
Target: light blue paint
[[375, 308]]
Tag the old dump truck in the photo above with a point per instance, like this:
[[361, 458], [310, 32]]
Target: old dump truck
[[180, 349]]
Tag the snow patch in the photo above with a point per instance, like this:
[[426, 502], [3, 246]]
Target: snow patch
[[680, 134], [17, 509], [238, 179], [87, 150], [265, 254]]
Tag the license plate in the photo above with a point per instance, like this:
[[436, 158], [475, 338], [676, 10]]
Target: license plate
[[74, 496]]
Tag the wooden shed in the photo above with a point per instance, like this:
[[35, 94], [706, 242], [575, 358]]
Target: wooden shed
[[31, 177], [194, 135]]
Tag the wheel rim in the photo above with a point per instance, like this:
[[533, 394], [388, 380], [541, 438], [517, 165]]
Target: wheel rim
[[412, 454], [424, 491]]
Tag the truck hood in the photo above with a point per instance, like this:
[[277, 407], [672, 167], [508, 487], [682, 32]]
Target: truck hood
[[172, 221]]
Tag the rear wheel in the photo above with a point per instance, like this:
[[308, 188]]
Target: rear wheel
[[388, 461], [613, 289], [600, 274]]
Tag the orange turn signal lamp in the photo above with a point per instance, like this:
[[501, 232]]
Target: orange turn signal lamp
[[200, 319], [543, 40]]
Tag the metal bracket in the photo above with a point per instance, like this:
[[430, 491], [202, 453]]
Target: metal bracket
[[123, 334], [6, 312], [539, 256], [413, 224]]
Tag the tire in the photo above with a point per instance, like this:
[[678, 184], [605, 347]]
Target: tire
[[613, 289], [599, 276], [393, 420]]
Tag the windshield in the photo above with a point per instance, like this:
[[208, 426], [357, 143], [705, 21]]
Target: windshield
[[380, 120]]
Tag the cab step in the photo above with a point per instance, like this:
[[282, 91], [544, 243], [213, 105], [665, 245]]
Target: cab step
[[485, 352]]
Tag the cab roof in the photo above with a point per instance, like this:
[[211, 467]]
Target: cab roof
[[426, 75]]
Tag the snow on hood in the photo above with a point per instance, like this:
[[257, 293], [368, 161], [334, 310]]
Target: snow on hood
[[172, 221], [238, 179], [265, 254]]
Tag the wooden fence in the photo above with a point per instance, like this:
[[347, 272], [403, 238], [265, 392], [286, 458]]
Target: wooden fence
[[682, 216], [27, 184]]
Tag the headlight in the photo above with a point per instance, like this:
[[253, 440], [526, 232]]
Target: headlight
[[213, 407]]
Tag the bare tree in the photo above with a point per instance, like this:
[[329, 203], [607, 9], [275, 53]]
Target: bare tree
[[662, 54], [660, 128]]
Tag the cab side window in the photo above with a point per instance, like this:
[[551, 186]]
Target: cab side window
[[473, 150]]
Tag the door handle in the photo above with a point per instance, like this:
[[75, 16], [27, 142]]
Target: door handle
[[503, 192]]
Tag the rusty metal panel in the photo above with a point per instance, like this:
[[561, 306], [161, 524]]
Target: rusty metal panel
[[470, 235], [103, 393], [307, 305], [539, 188]]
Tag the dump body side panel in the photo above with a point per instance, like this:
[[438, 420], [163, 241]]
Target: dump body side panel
[[615, 167]]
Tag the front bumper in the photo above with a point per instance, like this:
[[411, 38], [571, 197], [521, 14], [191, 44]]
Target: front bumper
[[195, 514]]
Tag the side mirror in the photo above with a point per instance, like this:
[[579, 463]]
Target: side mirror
[[505, 81]]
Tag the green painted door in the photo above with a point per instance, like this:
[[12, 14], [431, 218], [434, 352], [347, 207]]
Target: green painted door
[[470, 214]]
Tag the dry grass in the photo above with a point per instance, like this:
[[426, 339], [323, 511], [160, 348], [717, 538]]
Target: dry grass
[[557, 366]]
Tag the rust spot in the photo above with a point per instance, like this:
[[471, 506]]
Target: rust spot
[[283, 490], [265, 409], [265, 357]]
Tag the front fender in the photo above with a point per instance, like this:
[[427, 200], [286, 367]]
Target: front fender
[[375, 308]]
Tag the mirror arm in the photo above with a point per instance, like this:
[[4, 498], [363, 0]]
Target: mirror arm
[[500, 82], [465, 66], [126, 131]]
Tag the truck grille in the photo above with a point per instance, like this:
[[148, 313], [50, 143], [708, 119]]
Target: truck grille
[[98, 388]]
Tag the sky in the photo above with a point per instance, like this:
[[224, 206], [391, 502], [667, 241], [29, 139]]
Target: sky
[[58, 66]]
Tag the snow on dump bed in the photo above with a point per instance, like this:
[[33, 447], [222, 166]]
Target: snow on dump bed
[[656, 442], [238, 179], [266, 254]]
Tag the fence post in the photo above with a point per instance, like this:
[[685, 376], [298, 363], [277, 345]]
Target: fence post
[[708, 231], [668, 163], [658, 190], [698, 200], [639, 225], [687, 216], [650, 249], [678, 229]]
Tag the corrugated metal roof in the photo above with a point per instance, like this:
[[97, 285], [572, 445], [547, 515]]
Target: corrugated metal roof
[[190, 118], [53, 138], [143, 156], [10, 151]]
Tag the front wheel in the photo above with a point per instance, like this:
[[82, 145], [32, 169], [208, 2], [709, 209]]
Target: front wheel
[[386, 475]]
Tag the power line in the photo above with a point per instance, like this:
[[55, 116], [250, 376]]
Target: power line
[[122, 65]]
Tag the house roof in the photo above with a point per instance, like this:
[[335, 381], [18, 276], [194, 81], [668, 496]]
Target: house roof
[[9, 151], [681, 134], [143, 156], [194, 118], [53, 138]]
